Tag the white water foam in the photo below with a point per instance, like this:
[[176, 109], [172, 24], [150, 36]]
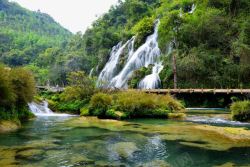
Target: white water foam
[[42, 109]]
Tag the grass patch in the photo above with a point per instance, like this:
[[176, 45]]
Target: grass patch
[[240, 110]]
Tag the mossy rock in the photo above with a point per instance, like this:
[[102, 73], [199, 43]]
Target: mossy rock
[[38, 144], [31, 154], [7, 157], [9, 126], [124, 149]]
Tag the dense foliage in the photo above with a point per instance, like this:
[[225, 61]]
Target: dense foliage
[[241, 110], [210, 39], [17, 88], [75, 96]]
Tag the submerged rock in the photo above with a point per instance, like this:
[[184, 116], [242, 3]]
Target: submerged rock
[[38, 144], [124, 149], [7, 157], [209, 137], [155, 163], [31, 154]]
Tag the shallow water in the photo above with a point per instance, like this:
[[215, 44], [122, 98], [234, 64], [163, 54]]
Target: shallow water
[[71, 141]]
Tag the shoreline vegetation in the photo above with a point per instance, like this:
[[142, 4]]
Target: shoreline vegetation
[[81, 97], [240, 111], [17, 87]]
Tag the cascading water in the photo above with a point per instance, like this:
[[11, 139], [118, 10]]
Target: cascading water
[[91, 72], [153, 80], [192, 9], [111, 68], [148, 53], [42, 109]]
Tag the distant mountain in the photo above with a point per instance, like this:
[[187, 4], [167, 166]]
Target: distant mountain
[[25, 34]]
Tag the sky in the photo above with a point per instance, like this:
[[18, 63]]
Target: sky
[[75, 15]]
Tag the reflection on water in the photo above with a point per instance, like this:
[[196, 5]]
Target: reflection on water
[[70, 141]]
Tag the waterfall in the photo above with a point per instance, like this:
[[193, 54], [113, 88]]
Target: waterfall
[[42, 109], [112, 66], [91, 72], [148, 53]]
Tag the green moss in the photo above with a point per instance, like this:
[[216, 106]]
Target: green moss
[[240, 110]]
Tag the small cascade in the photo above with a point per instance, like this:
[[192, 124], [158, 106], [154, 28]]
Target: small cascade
[[131, 48], [148, 53], [91, 72], [213, 119], [111, 68], [42, 109], [192, 9], [153, 80]]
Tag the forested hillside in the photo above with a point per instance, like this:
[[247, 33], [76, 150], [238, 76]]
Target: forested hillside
[[210, 38], [26, 37]]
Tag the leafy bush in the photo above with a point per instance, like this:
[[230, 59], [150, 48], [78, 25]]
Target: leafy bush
[[17, 88], [84, 111], [240, 110], [99, 104], [80, 87]]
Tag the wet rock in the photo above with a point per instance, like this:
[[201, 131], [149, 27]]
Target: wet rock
[[124, 149]]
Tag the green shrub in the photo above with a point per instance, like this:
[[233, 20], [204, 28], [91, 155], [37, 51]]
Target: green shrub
[[240, 110], [70, 106], [84, 111], [142, 29], [99, 104]]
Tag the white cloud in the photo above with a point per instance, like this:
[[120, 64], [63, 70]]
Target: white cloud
[[75, 15]]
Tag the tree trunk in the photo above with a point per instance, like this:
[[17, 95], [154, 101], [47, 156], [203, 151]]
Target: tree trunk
[[175, 71]]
